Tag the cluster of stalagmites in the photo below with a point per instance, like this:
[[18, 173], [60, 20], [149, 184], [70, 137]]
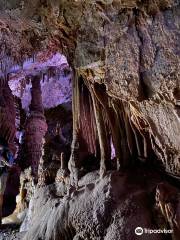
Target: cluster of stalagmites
[[30, 146]]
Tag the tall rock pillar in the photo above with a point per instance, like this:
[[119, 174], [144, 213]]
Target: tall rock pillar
[[36, 127]]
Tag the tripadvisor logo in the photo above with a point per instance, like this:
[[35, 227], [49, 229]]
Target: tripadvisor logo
[[139, 231]]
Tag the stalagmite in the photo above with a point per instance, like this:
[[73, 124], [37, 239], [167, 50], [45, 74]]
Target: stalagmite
[[62, 175]]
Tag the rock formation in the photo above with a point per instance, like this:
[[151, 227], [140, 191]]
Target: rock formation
[[36, 127], [121, 169], [7, 115]]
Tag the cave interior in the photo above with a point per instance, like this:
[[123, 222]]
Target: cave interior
[[89, 113]]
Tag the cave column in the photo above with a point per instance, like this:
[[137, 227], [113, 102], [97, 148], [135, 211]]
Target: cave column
[[74, 162], [36, 127]]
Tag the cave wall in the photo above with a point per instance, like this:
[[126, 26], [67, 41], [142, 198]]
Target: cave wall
[[134, 52], [129, 46]]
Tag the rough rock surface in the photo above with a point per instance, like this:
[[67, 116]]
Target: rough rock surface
[[125, 59], [10, 232], [109, 209]]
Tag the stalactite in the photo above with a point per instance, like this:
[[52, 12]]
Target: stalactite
[[102, 135], [88, 129], [34, 58], [6, 66], [93, 126], [114, 123], [140, 127], [117, 137], [137, 140], [124, 135], [129, 132], [110, 117], [108, 135], [43, 77]]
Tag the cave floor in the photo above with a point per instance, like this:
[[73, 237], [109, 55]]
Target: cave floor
[[10, 232]]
